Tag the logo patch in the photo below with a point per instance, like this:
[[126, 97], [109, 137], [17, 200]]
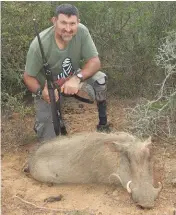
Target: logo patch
[[67, 69]]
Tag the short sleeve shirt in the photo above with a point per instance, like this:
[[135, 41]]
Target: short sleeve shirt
[[62, 62]]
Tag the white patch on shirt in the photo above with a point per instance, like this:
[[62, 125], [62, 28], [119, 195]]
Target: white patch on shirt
[[67, 68]]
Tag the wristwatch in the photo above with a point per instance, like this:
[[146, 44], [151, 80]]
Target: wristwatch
[[80, 76], [38, 93]]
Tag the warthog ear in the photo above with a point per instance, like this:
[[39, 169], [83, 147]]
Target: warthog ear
[[146, 144], [116, 146], [145, 147], [148, 141]]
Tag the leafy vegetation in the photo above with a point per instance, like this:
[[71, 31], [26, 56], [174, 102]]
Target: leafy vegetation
[[127, 35]]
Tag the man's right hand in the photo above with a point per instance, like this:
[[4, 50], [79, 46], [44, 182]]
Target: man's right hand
[[45, 94], [33, 85]]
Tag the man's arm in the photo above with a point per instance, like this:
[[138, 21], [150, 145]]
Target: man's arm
[[90, 68], [33, 85], [31, 82]]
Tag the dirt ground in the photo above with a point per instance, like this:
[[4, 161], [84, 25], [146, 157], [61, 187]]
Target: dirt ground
[[22, 195]]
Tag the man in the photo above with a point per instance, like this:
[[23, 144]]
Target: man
[[65, 44]]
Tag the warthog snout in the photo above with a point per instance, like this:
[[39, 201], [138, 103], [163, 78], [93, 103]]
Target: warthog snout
[[144, 194], [136, 172]]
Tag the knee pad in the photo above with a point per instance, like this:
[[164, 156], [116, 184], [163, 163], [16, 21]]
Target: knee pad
[[100, 87]]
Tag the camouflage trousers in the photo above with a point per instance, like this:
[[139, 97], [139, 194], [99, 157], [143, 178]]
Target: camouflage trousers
[[43, 123]]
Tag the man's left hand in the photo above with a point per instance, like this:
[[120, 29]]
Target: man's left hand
[[71, 86]]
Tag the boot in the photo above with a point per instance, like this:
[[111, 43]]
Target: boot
[[103, 126]]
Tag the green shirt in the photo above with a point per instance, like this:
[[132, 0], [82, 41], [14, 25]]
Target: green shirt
[[62, 62]]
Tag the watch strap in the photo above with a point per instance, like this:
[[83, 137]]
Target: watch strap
[[80, 76], [38, 93]]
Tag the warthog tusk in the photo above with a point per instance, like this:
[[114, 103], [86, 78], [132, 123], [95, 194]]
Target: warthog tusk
[[158, 189], [119, 178], [128, 187], [160, 186], [116, 176]]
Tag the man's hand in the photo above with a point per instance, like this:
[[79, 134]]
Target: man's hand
[[45, 94], [71, 86]]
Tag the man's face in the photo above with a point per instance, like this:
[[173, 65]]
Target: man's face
[[66, 26]]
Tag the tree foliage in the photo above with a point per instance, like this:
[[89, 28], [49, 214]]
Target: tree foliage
[[17, 33], [127, 35]]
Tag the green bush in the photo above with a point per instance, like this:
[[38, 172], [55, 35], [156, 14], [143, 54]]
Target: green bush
[[127, 36]]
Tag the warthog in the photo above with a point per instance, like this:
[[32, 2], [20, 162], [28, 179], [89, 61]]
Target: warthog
[[98, 158]]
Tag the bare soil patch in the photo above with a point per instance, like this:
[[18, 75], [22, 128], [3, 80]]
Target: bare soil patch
[[22, 195]]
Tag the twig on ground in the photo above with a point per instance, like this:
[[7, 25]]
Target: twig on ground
[[43, 208], [36, 206], [46, 208]]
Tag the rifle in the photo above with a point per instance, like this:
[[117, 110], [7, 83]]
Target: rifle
[[58, 123]]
